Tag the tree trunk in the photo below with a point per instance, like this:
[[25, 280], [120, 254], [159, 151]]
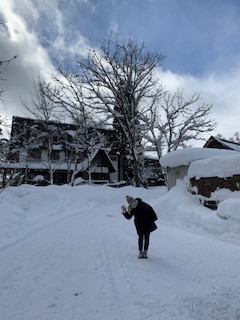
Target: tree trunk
[[136, 175]]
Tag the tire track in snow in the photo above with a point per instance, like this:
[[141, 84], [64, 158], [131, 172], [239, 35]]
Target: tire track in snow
[[215, 306], [38, 230], [39, 268], [95, 299], [115, 291]]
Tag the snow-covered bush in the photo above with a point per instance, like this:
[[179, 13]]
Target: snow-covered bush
[[79, 181]]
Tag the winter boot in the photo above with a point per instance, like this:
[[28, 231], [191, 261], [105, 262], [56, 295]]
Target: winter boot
[[144, 255], [140, 255]]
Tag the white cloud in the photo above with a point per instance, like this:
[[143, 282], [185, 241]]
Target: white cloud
[[78, 48], [32, 57], [23, 38]]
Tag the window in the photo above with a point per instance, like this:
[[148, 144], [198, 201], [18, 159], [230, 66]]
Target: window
[[55, 155], [60, 177], [34, 154], [69, 155], [56, 138], [100, 176], [80, 156]]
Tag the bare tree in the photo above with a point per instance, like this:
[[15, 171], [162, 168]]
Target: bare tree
[[4, 143], [3, 79], [69, 97], [43, 133], [120, 78], [40, 106], [4, 64], [236, 137], [175, 120]]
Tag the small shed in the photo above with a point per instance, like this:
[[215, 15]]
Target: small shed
[[176, 163]]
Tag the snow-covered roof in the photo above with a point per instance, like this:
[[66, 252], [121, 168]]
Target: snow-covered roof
[[71, 132], [186, 156], [219, 166], [82, 166], [228, 144], [151, 155]]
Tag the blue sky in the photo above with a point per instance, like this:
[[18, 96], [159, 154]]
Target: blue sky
[[197, 37], [200, 39]]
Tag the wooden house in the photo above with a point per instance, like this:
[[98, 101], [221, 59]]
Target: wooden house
[[50, 149], [43, 152]]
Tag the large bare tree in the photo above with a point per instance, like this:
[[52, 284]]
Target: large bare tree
[[120, 79]]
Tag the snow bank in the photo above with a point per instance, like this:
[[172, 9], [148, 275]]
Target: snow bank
[[186, 156], [219, 166], [26, 209], [230, 209], [38, 178], [224, 194], [180, 208]]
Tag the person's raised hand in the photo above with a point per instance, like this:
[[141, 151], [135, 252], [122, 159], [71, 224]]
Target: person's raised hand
[[124, 209]]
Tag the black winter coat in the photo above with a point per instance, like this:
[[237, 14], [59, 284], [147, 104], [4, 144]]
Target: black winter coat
[[144, 217]]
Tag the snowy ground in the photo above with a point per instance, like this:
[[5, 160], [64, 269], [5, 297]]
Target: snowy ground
[[67, 253]]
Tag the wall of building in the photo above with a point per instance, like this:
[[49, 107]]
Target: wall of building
[[206, 186], [173, 174], [114, 176], [22, 155]]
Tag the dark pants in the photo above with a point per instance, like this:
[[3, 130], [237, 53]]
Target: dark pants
[[143, 238]]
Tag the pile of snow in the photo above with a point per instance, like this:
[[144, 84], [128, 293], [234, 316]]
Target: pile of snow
[[186, 156], [27, 209], [224, 194], [180, 208], [220, 166], [230, 209], [38, 178], [79, 181]]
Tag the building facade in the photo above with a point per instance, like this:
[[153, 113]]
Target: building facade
[[59, 153], [50, 152]]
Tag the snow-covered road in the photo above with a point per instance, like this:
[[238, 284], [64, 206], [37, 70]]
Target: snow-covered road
[[80, 262]]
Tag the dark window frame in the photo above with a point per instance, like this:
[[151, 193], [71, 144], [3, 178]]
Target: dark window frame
[[34, 154], [55, 155]]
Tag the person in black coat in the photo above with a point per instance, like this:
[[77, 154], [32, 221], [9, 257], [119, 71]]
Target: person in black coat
[[144, 217]]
